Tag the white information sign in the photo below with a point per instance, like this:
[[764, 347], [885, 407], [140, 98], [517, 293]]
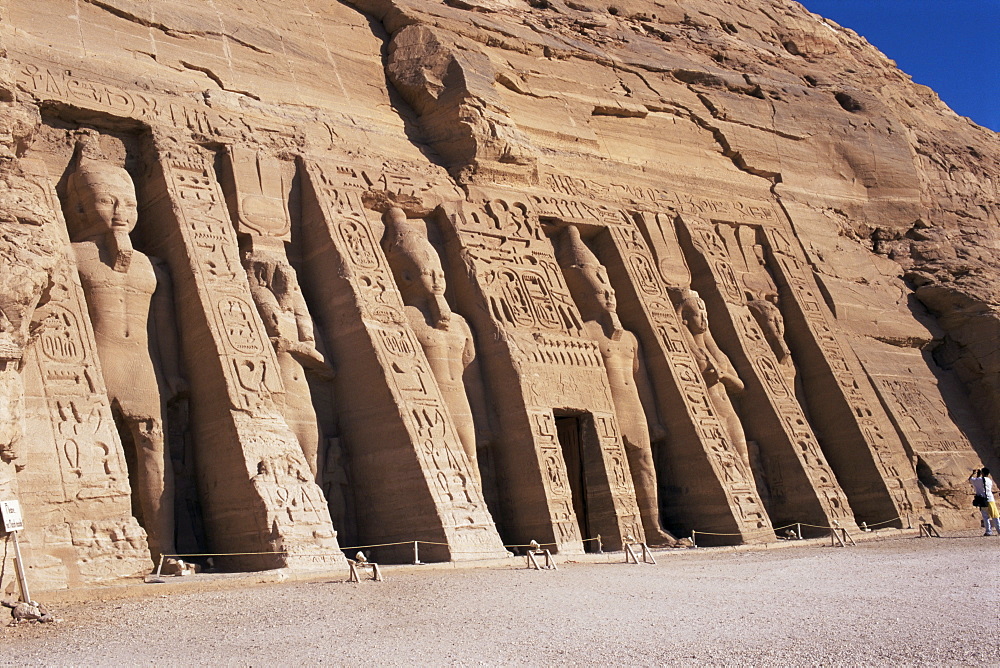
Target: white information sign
[[11, 511]]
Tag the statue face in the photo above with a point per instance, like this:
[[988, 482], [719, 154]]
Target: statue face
[[109, 201], [776, 323], [696, 315], [425, 274], [596, 277], [432, 279]]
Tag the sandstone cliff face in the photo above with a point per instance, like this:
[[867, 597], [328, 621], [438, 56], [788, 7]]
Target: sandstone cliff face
[[693, 265]]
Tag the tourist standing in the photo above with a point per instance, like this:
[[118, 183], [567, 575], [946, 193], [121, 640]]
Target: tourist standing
[[983, 486]]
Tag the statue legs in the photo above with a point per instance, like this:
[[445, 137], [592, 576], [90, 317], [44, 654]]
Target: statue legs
[[730, 420], [154, 483], [640, 463], [298, 411]]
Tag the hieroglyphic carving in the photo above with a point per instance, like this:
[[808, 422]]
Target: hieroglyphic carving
[[249, 362], [75, 452], [85, 89], [534, 317], [403, 182], [520, 278], [87, 445], [570, 195], [941, 452], [291, 517], [866, 412], [559, 492], [427, 422], [619, 479], [797, 440], [699, 415], [259, 198]]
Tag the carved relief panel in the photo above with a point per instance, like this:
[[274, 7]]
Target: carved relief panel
[[535, 336], [857, 432], [249, 362], [237, 390], [426, 431], [941, 452], [775, 420], [692, 420], [77, 465]]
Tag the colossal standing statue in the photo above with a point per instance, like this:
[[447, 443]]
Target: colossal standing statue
[[445, 336], [282, 307], [631, 390], [715, 367], [128, 297]]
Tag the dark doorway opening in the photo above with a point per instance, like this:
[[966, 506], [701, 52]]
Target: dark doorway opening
[[570, 434]]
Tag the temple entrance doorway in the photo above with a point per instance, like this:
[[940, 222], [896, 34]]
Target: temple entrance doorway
[[570, 434]]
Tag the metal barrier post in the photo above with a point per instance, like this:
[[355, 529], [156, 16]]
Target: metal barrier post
[[159, 566], [798, 530], [416, 552], [600, 545], [694, 542]]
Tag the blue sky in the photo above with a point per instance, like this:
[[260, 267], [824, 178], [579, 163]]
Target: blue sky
[[953, 46]]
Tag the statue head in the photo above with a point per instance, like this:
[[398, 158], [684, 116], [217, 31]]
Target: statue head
[[693, 312], [586, 276], [101, 199], [768, 316], [415, 264]]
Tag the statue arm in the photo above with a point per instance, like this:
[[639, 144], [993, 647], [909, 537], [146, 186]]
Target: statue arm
[[270, 312], [303, 321], [304, 350], [475, 390], [164, 322], [726, 370], [268, 308], [647, 396]]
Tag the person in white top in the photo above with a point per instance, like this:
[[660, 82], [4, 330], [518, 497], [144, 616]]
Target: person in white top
[[983, 485]]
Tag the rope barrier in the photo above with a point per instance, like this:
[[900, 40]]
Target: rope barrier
[[417, 543], [788, 526]]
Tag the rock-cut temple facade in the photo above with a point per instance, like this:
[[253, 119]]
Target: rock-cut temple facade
[[281, 278]]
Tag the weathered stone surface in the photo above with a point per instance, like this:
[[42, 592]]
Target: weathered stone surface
[[479, 272]]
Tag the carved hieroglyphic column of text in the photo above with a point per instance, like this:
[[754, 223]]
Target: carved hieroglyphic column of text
[[413, 477], [76, 492], [540, 365], [801, 483], [857, 437], [258, 493], [710, 486]]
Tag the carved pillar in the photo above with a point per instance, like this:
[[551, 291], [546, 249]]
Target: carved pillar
[[75, 494], [413, 479], [802, 485], [256, 488], [709, 486], [541, 367], [940, 452], [860, 443]]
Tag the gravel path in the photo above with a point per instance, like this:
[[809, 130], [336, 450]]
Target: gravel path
[[904, 601]]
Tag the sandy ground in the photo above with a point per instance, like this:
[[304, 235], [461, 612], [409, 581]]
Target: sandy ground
[[903, 601]]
